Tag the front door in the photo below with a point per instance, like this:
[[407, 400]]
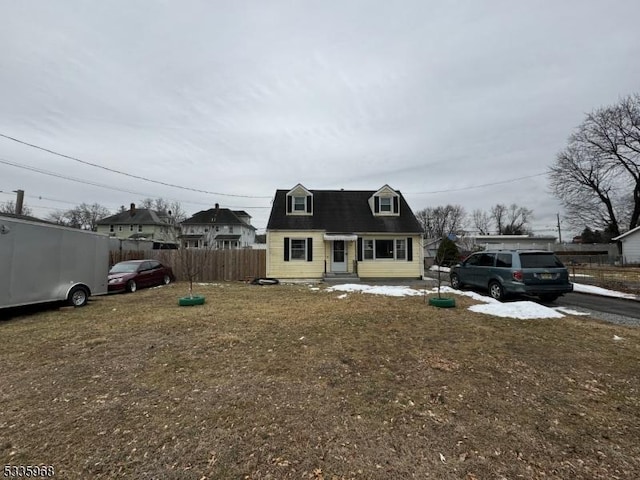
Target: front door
[[339, 256]]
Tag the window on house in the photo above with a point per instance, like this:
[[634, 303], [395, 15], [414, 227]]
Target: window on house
[[298, 249], [139, 228], [206, 229], [119, 228], [385, 204], [111, 229], [217, 229], [299, 204], [384, 249], [368, 249], [131, 228], [231, 229], [401, 249]]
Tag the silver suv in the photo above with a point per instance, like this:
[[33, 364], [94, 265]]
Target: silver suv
[[514, 272]]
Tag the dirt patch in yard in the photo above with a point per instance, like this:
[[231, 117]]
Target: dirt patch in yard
[[287, 382]]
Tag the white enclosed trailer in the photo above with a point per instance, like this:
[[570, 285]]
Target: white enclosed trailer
[[42, 262]]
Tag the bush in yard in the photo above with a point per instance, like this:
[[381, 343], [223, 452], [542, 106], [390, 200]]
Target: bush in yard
[[448, 253]]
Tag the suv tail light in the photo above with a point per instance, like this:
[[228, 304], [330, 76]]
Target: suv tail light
[[517, 275]]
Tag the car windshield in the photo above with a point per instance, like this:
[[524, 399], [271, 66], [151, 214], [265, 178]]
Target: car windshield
[[540, 260], [124, 268]]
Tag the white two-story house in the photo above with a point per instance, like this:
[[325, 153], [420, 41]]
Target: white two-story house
[[218, 229]]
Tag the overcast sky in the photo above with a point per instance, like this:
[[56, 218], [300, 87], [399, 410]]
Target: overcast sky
[[242, 98]]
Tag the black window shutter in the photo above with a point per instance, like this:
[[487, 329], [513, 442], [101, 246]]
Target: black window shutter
[[409, 249], [309, 249], [395, 205], [376, 204], [359, 249], [289, 203], [309, 200], [286, 249]]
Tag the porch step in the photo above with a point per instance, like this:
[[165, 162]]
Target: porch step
[[331, 277]]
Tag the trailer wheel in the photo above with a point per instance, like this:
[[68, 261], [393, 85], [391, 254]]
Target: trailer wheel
[[131, 286], [78, 296], [166, 280]]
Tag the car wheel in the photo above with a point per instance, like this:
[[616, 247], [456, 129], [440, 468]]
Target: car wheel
[[78, 297], [496, 291], [166, 280], [455, 281], [131, 286], [549, 297]]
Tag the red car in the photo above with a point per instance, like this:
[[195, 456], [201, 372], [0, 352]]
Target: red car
[[134, 274]]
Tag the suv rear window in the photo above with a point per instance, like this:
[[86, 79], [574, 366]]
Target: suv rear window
[[540, 260]]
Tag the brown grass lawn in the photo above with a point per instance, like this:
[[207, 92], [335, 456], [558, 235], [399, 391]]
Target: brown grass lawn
[[285, 382]]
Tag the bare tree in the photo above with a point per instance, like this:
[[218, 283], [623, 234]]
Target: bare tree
[[10, 207], [517, 219], [440, 221], [507, 220], [84, 216], [498, 214], [597, 176], [481, 221], [165, 208]]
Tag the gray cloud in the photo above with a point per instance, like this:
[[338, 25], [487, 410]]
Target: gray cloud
[[248, 97]]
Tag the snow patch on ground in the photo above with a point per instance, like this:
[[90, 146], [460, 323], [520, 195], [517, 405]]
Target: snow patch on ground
[[490, 306], [389, 290], [581, 288], [522, 310]]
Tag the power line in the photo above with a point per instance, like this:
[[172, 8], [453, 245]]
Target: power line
[[478, 186], [138, 177], [96, 184], [64, 177]]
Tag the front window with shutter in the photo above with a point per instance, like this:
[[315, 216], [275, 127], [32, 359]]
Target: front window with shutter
[[298, 249], [387, 249]]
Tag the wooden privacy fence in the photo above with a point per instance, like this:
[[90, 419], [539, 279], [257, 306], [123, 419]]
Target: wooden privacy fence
[[213, 265]]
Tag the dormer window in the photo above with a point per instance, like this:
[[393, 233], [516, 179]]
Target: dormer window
[[299, 204], [385, 201], [385, 204], [299, 201]]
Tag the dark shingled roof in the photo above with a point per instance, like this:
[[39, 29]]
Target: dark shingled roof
[[342, 211], [224, 217], [139, 216]]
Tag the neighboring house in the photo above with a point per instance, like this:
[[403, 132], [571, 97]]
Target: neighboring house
[[314, 234], [140, 224], [218, 229], [507, 242], [630, 246]]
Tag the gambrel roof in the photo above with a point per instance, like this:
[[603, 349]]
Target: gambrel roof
[[342, 211]]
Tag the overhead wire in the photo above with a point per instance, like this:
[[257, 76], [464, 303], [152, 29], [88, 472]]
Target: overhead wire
[[138, 177], [96, 184], [501, 182]]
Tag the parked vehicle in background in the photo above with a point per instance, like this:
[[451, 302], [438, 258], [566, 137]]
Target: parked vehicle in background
[[133, 274], [514, 272], [42, 262]]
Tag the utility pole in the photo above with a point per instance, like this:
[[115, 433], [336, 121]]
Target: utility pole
[[19, 201], [559, 232]]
